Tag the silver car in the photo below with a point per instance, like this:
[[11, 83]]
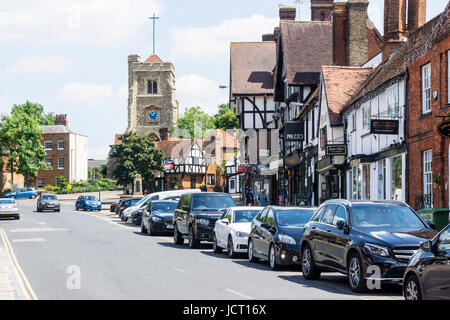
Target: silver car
[[9, 209]]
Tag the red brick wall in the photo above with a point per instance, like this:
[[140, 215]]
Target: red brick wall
[[422, 130], [340, 20], [49, 176]]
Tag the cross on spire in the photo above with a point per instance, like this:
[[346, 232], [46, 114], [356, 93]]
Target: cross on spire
[[154, 18]]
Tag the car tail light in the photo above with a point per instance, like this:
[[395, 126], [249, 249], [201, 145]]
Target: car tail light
[[15, 206], [121, 208]]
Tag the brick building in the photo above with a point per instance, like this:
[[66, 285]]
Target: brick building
[[6, 178], [66, 154], [428, 152]]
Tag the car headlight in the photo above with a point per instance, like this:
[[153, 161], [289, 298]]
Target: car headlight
[[157, 219], [242, 234], [202, 221], [377, 250], [286, 239]]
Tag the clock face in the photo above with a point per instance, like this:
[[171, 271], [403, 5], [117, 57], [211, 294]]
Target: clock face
[[153, 115]]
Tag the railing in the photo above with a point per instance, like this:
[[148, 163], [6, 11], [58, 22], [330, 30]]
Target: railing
[[424, 201]]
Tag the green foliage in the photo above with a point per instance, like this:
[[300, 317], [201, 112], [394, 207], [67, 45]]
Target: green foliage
[[88, 186], [195, 123], [225, 118], [90, 173], [48, 188], [136, 155], [21, 136]]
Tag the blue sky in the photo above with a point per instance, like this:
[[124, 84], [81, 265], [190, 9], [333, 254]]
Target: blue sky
[[71, 55]]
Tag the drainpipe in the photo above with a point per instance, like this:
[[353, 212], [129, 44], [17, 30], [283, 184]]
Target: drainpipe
[[406, 135]]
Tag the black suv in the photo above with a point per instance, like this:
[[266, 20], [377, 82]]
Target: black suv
[[351, 236], [428, 272], [196, 215]]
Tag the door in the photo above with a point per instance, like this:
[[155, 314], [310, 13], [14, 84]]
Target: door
[[266, 234], [320, 241], [257, 231], [146, 215], [436, 274], [77, 204], [222, 228], [337, 240]]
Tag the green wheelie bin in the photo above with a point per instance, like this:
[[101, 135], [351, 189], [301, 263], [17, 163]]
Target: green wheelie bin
[[438, 216]]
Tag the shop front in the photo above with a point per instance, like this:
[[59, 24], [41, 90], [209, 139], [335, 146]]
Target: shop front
[[331, 178]]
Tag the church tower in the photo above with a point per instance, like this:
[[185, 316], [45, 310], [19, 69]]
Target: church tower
[[152, 105]]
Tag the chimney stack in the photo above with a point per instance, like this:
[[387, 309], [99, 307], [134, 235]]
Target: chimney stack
[[358, 43], [394, 26], [417, 14], [321, 10], [61, 119], [268, 37], [340, 30], [288, 13]]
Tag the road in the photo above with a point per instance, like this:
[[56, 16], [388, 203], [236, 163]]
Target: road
[[84, 255]]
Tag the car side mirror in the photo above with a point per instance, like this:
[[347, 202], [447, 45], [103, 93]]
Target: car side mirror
[[427, 246], [185, 208], [340, 225], [265, 225], [431, 225], [225, 221]]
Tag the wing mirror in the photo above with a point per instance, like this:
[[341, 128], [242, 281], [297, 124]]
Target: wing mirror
[[342, 225], [265, 225], [431, 225], [185, 208], [427, 246], [225, 221]]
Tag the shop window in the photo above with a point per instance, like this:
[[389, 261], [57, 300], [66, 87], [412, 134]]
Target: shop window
[[426, 88], [211, 179], [397, 186], [356, 183]]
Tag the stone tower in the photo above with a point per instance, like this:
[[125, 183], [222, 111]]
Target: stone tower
[[152, 105]]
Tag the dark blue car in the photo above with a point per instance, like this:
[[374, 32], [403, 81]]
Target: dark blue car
[[24, 193], [88, 203]]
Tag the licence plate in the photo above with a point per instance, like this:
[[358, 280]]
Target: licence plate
[[169, 226], [50, 206], [5, 212]]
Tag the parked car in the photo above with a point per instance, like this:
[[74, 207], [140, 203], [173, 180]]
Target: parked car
[[24, 193], [88, 203], [158, 217], [349, 236], [117, 209], [126, 203], [231, 231], [276, 234], [112, 208], [9, 209], [428, 273], [48, 202], [196, 215]]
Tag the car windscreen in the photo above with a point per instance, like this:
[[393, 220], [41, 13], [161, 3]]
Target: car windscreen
[[164, 207], [91, 198], [384, 215], [294, 217], [49, 197], [135, 201], [7, 201], [211, 202], [244, 215]]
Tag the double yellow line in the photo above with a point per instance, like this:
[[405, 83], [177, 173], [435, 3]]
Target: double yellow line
[[24, 284]]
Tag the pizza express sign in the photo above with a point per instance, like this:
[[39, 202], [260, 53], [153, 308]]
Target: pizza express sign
[[294, 131], [384, 126]]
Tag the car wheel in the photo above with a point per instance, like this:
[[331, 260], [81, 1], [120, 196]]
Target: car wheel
[[177, 236], [84, 208], [230, 248], [193, 242], [143, 229], [411, 288], [273, 258], [355, 274], [76, 208], [17, 218], [216, 248], [251, 257], [309, 268]]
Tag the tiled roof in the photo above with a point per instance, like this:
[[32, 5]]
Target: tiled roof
[[153, 59], [116, 139], [252, 64], [307, 46], [385, 72], [55, 129], [341, 84], [171, 146]]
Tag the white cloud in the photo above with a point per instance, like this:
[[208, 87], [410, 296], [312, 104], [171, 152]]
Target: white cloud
[[195, 90], [5, 108], [100, 153], [123, 92], [85, 92], [212, 43], [74, 21], [41, 64]]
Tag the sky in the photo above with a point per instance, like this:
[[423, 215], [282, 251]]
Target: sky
[[71, 55]]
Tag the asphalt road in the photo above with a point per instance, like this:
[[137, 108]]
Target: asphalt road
[[84, 255]]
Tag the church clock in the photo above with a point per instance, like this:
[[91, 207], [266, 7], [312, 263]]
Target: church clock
[[153, 116]]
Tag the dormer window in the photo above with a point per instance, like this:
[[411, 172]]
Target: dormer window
[[152, 87]]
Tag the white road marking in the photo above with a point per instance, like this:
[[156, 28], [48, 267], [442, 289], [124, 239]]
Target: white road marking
[[29, 240], [178, 269], [237, 293], [25, 230]]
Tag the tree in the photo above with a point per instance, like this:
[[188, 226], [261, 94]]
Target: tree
[[196, 123], [136, 155], [20, 135], [225, 118]]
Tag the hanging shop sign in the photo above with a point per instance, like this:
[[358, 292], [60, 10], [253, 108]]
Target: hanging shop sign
[[294, 131], [169, 165], [243, 168], [444, 129], [378, 126], [336, 150]]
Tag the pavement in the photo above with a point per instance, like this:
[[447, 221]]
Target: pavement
[[91, 255], [104, 195]]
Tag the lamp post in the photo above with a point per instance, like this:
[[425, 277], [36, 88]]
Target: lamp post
[[99, 189]]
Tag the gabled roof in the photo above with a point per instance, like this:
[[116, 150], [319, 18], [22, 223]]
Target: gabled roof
[[154, 59], [252, 64], [307, 46], [341, 84], [385, 72], [55, 129]]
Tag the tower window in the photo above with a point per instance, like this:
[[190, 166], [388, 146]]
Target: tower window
[[152, 87]]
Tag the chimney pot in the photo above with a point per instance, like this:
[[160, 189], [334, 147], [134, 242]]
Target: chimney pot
[[288, 13], [61, 119]]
